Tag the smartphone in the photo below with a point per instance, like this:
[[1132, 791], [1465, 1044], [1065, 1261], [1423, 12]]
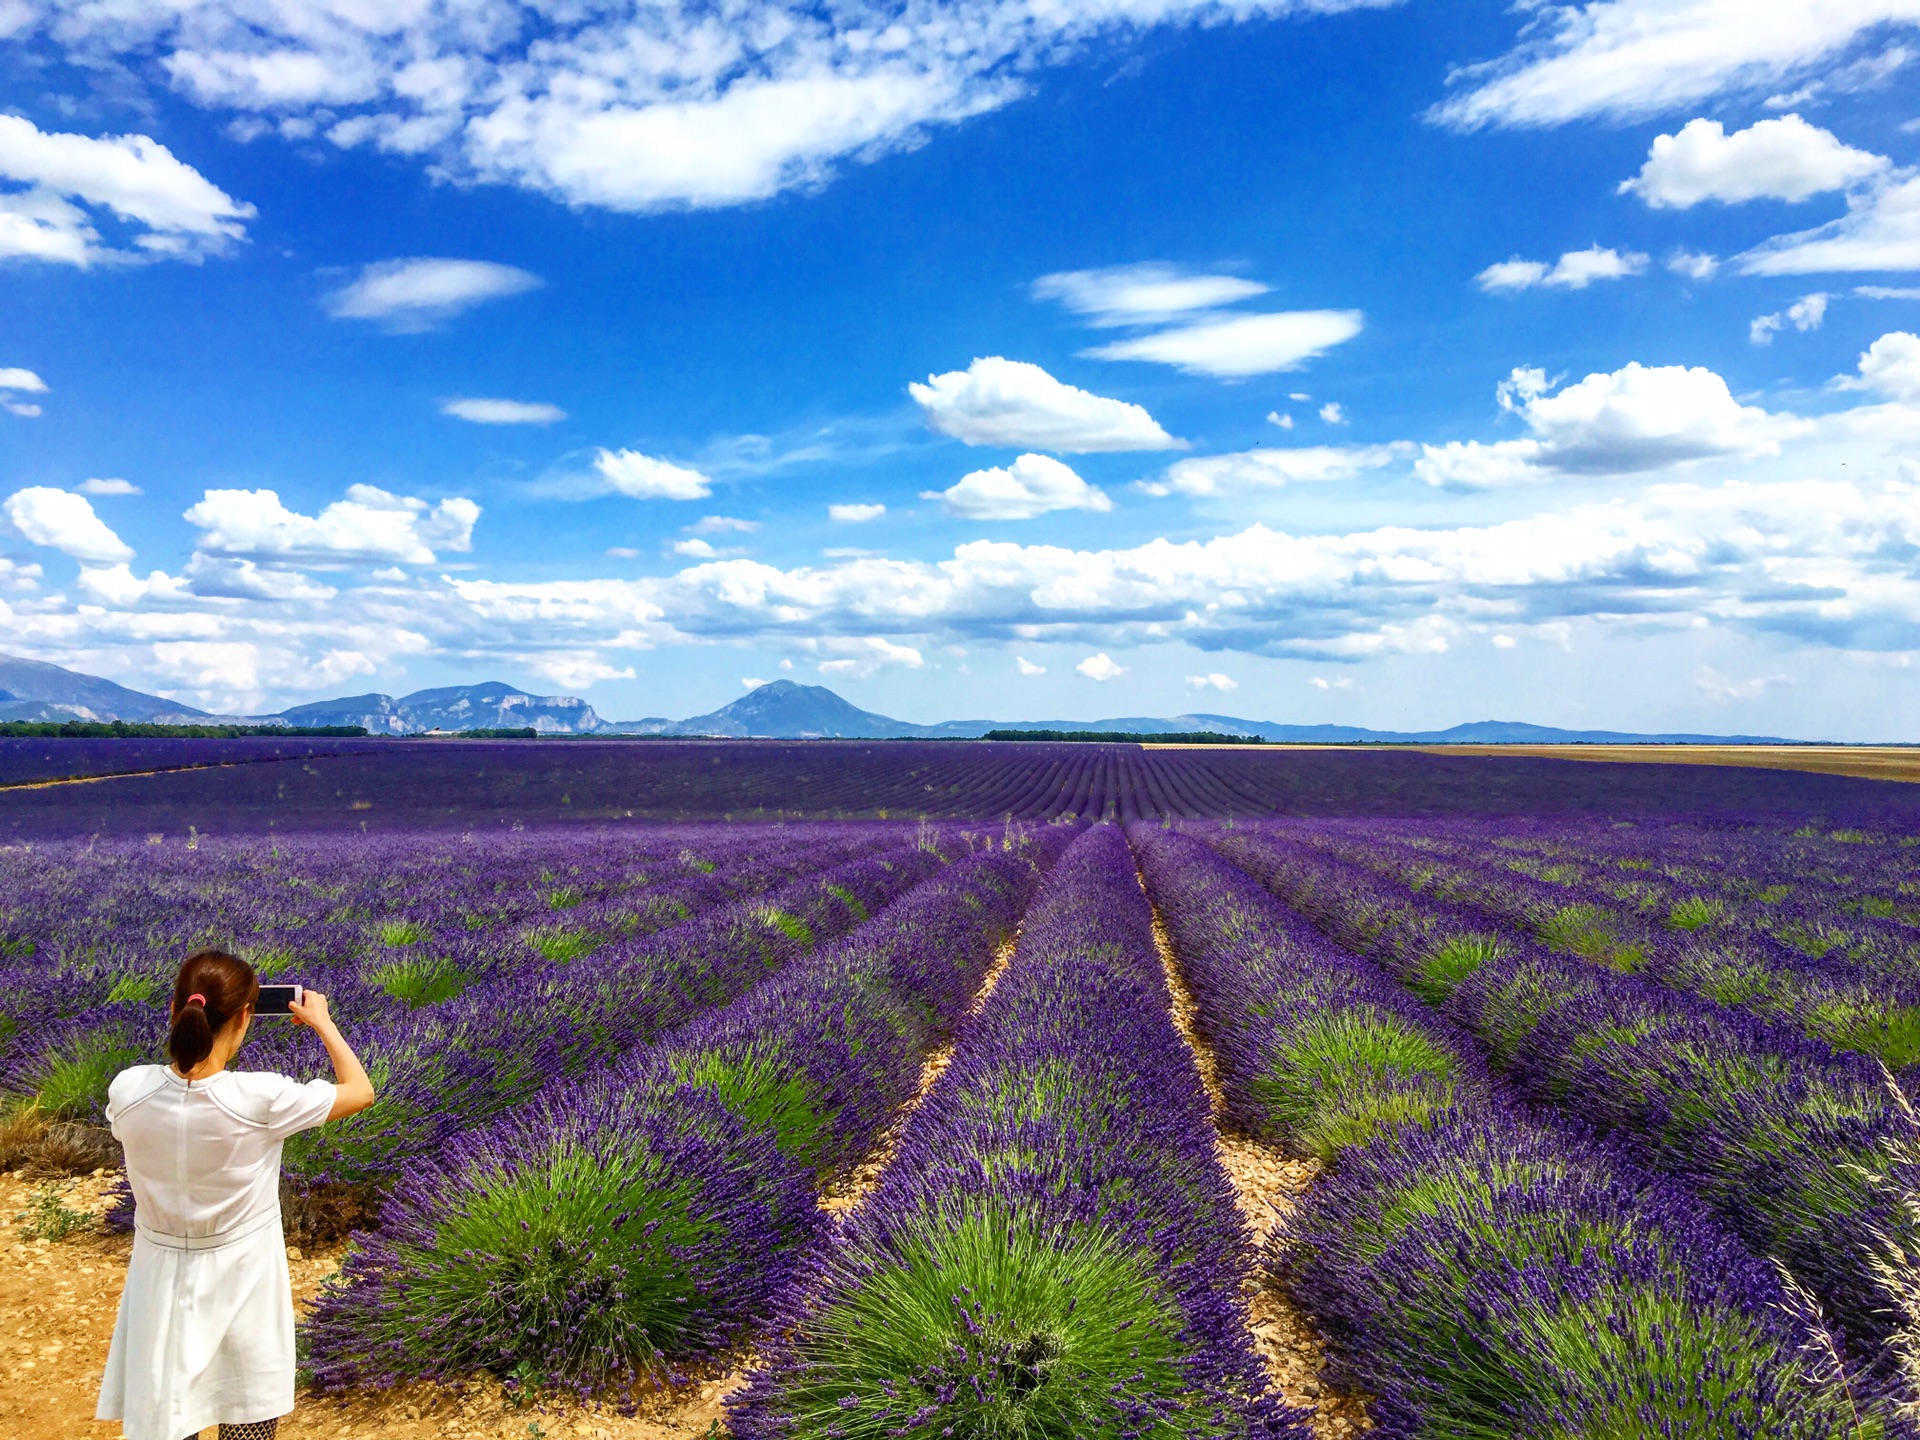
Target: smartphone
[[277, 999]]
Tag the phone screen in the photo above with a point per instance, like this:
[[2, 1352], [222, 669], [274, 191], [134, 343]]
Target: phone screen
[[277, 999]]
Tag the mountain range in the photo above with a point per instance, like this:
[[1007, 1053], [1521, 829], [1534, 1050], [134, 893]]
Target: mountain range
[[33, 690]]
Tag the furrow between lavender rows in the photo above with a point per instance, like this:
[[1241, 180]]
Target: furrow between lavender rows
[[642, 1218], [1476, 1268], [1054, 1250], [1801, 1151]]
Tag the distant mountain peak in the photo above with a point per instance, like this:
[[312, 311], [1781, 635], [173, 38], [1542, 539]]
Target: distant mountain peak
[[789, 710]]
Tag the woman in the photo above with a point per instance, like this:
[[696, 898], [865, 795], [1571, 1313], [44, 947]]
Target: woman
[[205, 1334]]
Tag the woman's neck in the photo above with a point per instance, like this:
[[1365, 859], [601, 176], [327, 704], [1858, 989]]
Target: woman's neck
[[213, 1065]]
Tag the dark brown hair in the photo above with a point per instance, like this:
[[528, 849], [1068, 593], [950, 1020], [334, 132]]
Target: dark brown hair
[[211, 989]]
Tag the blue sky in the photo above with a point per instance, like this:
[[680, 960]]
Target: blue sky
[[1393, 364]]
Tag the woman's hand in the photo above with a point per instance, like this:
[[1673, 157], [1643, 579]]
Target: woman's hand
[[311, 1010]]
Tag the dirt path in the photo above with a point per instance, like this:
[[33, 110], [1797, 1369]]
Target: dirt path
[[845, 1194], [1267, 1183]]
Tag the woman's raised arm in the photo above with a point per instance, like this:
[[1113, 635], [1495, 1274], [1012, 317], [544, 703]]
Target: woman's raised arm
[[355, 1089]]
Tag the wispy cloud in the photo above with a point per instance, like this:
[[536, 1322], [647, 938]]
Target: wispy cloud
[[419, 294]]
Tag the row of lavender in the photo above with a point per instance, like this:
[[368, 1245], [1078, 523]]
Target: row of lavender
[[1798, 1149], [1054, 1249], [644, 1215], [1750, 937], [1480, 1269]]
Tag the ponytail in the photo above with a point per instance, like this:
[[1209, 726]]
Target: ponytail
[[211, 989]]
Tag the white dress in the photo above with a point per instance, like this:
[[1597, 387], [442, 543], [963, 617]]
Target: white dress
[[205, 1333]]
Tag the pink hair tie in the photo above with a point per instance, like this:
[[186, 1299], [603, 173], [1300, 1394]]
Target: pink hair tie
[[199, 1000]]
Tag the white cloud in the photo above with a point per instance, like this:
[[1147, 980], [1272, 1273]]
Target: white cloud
[[223, 577], [418, 294], [370, 525], [1822, 563], [1270, 469], [1032, 485], [1574, 270], [573, 671], [1782, 159], [1027, 667], [751, 682], [694, 549], [1233, 347], [1285, 422], [66, 523], [14, 381], [859, 658], [723, 524], [107, 486], [118, 585], [1321, 682], [1806, 313], [502, 412], [1630, 58], [1149, 294], [1693, 265], [1100, 667], [19, 576], [1891, 365], [644, 478], [995, 401], [855, 514], [1635, 419], [1715, 686], [170, 210], [1504, 642], [623, 552], [1300, 397], [1887, 292], [630, 108], [1880, 231], [1332, 413], [1212, 681]]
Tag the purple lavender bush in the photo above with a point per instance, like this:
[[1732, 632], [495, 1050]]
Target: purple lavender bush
[[1484, 1276]]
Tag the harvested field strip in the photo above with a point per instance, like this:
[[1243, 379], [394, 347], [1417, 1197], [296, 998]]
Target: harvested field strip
[[1456, 1241], [1778, 1135], [1887, 762]]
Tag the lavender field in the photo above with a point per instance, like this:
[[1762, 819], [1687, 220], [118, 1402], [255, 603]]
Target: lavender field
[[920, 1117], [257, 785]]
